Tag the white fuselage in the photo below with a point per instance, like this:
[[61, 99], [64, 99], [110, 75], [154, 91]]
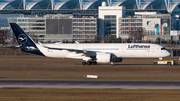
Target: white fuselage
[[92, 53], [124, 50]]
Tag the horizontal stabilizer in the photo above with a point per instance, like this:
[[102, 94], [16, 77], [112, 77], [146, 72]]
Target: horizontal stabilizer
[[20, 47], [12, 47]]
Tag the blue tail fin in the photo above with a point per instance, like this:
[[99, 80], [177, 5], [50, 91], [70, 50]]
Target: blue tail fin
[[22, 38], [25, 42]]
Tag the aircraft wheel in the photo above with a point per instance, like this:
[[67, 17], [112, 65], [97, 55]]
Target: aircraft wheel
[[83, 63], [94, 63], [169, 63], [89, 63]]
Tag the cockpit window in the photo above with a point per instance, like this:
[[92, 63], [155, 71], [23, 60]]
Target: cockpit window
[[163, 48]]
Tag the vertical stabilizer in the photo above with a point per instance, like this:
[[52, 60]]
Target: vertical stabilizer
[[25, 42], [22, 38]]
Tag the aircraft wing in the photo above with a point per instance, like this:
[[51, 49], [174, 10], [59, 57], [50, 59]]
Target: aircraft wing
[[72, 50]]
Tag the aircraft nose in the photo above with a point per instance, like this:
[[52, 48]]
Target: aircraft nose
[[168, 53]]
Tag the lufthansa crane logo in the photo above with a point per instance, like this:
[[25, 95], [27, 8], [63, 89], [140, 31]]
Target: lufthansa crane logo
[[22, 38]]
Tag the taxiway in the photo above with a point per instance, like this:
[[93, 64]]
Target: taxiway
[[90, 84]]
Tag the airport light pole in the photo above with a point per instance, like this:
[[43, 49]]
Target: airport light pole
[[177, 38], [176, 49], [160, 39], [62, 33]]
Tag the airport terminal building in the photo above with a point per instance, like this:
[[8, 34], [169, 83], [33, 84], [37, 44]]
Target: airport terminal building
[[58, 27], [153, 25], [84, 19]]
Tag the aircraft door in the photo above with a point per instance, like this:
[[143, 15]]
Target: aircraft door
[[123, 49], [146, 53], [152, 49]]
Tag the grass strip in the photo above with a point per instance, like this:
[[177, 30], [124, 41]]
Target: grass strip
[[88, 95]]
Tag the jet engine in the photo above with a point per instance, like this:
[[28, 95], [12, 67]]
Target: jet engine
[[107, 58], [103, 58]]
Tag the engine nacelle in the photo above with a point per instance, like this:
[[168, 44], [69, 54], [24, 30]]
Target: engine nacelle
[[103, 58], [116, 59], [107, 58]]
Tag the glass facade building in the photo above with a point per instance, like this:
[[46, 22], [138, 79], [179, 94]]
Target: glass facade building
[[85, 21], [152, 25], [58, 27], [128, 25], [84, 28], [110, 25]]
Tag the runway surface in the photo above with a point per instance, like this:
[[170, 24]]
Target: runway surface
[[42, 62], [86, 75], [70, 62], [89, 84], [79, 65]]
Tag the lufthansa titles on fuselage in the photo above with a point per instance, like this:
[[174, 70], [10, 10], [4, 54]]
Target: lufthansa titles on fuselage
[[138, 47]]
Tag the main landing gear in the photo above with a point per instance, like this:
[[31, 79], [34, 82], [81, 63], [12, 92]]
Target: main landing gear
[[89, 63]]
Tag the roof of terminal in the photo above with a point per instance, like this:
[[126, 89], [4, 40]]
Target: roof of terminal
[[169, 5]]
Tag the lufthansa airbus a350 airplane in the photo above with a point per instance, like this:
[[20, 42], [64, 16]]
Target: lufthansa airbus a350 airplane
[[91, 53]]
